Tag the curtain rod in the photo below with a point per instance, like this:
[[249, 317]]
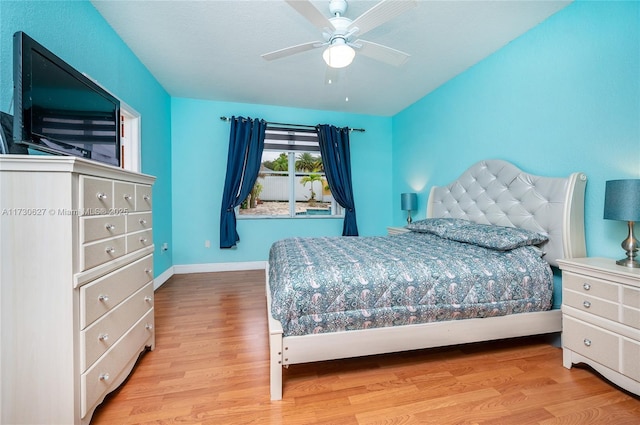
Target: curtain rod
[[308, 127]]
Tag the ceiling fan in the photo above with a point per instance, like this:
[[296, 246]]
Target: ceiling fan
[[340, 34]]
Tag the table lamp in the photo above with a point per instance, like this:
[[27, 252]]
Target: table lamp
[[622, 202], [408, 202]]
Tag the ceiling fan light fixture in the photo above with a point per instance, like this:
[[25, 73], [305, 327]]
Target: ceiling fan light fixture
[[338, 54]]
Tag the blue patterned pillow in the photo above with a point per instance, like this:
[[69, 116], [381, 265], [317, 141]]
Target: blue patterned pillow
[[500, 238], [437, 226]]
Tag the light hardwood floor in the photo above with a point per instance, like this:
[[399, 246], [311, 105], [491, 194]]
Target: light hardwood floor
[[210, 366]]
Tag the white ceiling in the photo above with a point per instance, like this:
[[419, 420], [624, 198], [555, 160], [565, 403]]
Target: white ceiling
[[211, 49]]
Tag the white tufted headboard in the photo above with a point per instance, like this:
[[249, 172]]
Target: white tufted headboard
[[497, 192]]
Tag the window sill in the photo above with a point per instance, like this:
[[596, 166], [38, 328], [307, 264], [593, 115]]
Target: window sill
[[298, 217]]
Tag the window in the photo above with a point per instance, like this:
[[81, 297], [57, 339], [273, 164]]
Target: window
[[291, 181]]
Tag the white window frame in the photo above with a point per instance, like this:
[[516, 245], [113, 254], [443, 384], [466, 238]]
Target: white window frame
[[336, 210]]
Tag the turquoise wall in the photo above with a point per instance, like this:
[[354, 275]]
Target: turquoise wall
[[199, 157], [77, 33], [563, 97]]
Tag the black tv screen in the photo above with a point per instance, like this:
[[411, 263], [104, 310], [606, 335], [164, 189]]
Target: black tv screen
[[58, 109]]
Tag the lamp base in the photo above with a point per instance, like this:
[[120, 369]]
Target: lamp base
[[630, 245], [628, 262]]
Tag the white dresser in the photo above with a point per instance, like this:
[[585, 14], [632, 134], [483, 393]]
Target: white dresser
[[601, 319], [76, 253]]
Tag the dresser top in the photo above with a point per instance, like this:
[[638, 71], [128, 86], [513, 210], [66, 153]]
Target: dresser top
[[69, 164]]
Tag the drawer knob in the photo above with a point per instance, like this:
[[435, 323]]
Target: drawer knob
[[142, 221], [110, 250], [143, 240], [146, 197], [104, 376], [147, 271], [586, 286], [103, 298], [586, 304], [148, 326], [103, 337], [102, 196], [127, 197], [148, 299], [110, 227], [587, 342]]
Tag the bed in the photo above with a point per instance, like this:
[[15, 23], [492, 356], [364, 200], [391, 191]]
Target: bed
[[497, 231]]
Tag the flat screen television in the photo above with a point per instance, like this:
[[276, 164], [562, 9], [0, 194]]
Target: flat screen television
[[59, 110]]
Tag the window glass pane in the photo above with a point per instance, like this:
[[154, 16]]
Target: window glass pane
[[272, 188]]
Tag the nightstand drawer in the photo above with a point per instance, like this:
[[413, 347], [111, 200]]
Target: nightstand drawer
[[631, 308], [589, 285], [591, 341], [631, 359], [631, 297], [591, 304]]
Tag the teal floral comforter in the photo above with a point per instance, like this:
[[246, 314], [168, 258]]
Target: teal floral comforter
[[335, 284]]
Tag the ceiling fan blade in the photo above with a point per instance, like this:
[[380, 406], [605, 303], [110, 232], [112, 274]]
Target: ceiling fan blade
[[381, 13], [382, 53], [292, 50], [311, 13]]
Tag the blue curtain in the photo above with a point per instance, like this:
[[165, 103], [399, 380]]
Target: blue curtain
[[334, 148], [246, 142]]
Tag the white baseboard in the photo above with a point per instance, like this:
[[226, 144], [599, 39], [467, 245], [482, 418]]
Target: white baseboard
[[219, 267], [207, 268], [162, 278]]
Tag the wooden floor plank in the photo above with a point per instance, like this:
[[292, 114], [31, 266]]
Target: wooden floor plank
[[210, 366]]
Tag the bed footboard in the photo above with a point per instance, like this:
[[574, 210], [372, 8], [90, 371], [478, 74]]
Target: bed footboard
[[275, 347]]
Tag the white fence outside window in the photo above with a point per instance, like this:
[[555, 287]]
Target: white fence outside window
[[276, 188]]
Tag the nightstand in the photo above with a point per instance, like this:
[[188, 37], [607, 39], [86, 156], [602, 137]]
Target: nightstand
[[601, 319], [393, 230]]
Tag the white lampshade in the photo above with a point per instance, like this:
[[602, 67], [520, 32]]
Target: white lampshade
[[339, 54]]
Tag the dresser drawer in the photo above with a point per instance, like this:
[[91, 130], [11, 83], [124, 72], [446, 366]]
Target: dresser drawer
[[143, 197], [103, 294], [631, 359], [104, 332], [591, 304], [102, 227], [124, 196], [96, 195], [631, 317], [631, 297], [591, 341], [590, 286], [139, 240], [97, 380], [97, 253], [139, 221]]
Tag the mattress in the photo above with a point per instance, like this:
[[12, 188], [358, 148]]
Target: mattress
[[333, 284]]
